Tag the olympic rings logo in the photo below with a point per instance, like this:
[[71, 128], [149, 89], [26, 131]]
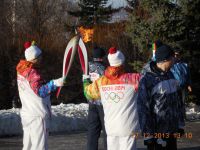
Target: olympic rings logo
[[114, 96]]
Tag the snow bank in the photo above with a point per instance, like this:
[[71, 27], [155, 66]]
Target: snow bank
[[10, 122], [65, 118], [192, 112], [69, 117]]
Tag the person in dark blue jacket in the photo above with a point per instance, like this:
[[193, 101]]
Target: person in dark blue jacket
[[96, 113], [159, 106], [181, 72]]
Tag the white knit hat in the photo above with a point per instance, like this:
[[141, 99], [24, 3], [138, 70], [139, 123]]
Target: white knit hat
[[115, 57], [32, 51]]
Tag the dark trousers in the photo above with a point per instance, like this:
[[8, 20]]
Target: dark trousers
[[171, 145], [95, 125]]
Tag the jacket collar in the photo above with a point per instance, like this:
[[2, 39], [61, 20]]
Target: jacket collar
[[114, 72], [23, 66]]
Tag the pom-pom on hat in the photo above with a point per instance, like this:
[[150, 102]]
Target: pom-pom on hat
[[27, 44], [31, 51], [115, 57]]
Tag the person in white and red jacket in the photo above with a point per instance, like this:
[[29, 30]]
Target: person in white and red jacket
[[34, 94], [117, 91]]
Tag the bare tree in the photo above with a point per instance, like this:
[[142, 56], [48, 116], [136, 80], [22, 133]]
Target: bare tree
[[6, 34], [42, 19], [20, 20]]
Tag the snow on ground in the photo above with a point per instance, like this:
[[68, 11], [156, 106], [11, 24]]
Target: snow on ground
[[69, 117], [66, 118], [192, 112]]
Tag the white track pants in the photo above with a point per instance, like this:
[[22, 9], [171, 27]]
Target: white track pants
[[35, 133], [121, 143]]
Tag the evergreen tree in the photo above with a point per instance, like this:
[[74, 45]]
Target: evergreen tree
[[93, 12], [191, 15], [175, 23], [155, 19]]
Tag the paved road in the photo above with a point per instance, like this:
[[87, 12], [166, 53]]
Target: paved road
[[77, 141]]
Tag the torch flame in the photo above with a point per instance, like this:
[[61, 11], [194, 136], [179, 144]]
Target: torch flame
[[86, 33]]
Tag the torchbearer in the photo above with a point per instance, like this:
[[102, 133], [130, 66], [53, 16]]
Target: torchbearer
[[117, 91], [34, 94]]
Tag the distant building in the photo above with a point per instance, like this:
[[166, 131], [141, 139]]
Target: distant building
[[120, 15]]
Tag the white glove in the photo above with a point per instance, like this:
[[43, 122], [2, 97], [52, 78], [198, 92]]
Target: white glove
[[85, 77], [59, 82]]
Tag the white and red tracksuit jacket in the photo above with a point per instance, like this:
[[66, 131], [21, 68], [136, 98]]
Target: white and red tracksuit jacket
[[33, 93], [117, 91]]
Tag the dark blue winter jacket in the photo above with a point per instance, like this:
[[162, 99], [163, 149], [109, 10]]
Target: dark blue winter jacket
[[159, 106], [181, 73]]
